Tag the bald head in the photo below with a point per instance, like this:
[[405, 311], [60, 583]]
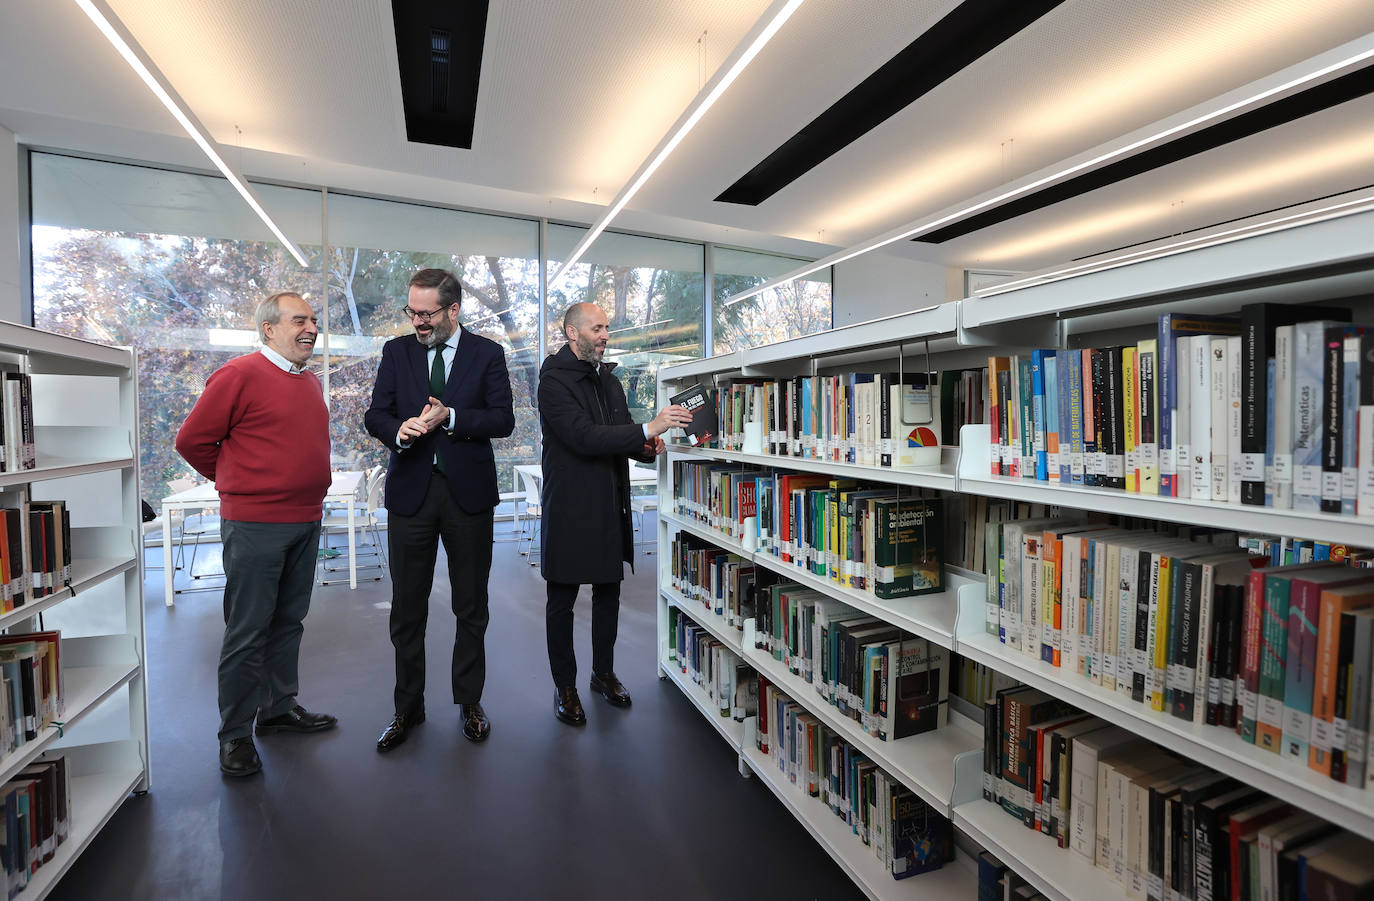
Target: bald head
[[586, 328]]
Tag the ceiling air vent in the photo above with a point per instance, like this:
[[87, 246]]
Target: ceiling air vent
[[439, 57]]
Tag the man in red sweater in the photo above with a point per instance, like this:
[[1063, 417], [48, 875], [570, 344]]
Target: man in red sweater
[[260, 430]]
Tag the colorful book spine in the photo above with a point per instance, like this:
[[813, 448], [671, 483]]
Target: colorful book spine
[[1130, 401], [1052, 420], [1038, 358], [1147, 436], [1075, 414]]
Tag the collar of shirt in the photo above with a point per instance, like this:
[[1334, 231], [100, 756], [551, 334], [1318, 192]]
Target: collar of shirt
[[281, 362], [451, 342]]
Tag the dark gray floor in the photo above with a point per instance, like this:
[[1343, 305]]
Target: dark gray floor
[[644, 803]]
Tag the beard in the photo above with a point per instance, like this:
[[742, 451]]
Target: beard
[[589, 351], [440, 330]]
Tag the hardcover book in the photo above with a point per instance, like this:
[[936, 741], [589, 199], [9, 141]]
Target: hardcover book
[[704, 425]]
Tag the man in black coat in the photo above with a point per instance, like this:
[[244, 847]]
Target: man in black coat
[[441, 396], [586, 536]]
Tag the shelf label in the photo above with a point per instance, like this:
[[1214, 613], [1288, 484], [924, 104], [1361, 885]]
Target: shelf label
[[1213, 691], [1156, 886], [1116, 466], [1349, 481], [1168, 463], [1228, 691], [1252, 467], [1180, 677], [1340, 728], [1149, 454], [1307, 480], [1331, 486], [1322, 734], [1283, 468], [1271, 711]]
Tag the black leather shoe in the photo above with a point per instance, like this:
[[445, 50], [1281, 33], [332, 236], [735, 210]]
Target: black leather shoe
[[238, 757], [297, 719], [567, 706], [397, 730], [609, 687], [476, 726]]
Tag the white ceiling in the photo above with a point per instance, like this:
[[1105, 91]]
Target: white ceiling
[[575, 93]]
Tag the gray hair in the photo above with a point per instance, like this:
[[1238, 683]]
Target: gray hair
[[270, 311]]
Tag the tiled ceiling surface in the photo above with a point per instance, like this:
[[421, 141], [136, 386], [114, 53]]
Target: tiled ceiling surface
[[575, 93]]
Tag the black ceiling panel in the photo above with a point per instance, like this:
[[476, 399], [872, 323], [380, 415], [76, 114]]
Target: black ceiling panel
[[970, 30], [439, 51], [1280, 112]]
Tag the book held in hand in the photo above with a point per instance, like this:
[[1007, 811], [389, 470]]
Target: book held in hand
[[704, 425]]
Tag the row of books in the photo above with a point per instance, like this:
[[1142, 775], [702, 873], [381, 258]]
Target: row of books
[[729, 683], [31, 686], [876, 538], [19, 450], [37, 816], [47, 565], [1273, 406], [864, 418], [1284, 655], [1162, 826], [889, 682], [906, 834]]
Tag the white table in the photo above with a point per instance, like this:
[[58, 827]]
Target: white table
[[343, 489], [639, 475]]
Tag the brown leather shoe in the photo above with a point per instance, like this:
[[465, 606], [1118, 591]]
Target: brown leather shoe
[[476, 726], [567, 706], [397, 730], [609, 687]]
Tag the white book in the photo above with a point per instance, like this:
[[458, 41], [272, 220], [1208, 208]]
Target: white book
[[1032, 629], [1309, 356], [1083, 775], [1221, 465], [1070, 564], [1182, 421], [1283, 417], [1364, 488], [1233, 394], [1127, 556], [1105, 567], [1199, 363]]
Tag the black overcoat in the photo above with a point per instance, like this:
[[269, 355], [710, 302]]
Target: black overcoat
[[585, 531]]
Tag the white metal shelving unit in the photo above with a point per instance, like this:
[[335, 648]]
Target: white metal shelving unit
[[1328, 260], [86, 429]]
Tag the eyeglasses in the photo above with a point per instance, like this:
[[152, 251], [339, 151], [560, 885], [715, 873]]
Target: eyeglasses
[[425, 316]]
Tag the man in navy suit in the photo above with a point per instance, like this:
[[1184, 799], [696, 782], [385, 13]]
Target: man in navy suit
[[439, 399]]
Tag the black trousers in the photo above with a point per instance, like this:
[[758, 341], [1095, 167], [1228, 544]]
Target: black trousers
[[269, 570], [558, 627], [413, 542]]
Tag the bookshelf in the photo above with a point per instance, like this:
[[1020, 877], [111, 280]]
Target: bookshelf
[[1326, 261], [86, 434]]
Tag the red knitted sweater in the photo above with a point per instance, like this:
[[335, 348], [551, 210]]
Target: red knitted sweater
[[262, 434]]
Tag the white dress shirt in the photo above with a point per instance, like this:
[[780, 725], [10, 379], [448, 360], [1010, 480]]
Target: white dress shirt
[[450, 351]]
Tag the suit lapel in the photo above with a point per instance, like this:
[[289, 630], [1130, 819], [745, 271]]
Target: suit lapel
[[419, 369], [462, 364]]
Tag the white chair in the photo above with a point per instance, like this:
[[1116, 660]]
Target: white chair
[[639, 505], [199, 527], [516, 498], [367, 521], [532, 502]]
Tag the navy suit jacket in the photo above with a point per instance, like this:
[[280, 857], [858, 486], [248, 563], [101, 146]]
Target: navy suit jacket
[[478, 391]]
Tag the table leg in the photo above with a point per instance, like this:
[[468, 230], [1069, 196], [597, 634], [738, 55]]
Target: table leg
[[168, 562], [352, 547]]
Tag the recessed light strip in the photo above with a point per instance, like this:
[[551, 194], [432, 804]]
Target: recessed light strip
[[1254, 229], [906, 231], [768, 25], [118, 36]]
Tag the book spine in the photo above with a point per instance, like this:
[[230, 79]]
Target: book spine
[[1309, 375], [1255, 334], [1234, 469], [1301, 660], [1026, 389], [1322, 739], [1073, 378], [1332, 437], [1167, 394], [1182, 417], [1220, 460], [1200, 379], [1130, 397], [1345, 659], [1350, 407], [1247, 679], [1270, 479], [1364, 488], [1361, 672], [1039, 447], [995, 451], [1148, 433], [1283, 417], [1116, 418], [1091, 378], [1273, 654]]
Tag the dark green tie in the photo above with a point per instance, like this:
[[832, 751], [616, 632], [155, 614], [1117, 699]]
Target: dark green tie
[[436, 389]]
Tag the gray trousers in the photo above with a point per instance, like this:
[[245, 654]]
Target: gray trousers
[[269, 570]]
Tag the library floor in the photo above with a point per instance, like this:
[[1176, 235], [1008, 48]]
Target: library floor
[[639, 803]]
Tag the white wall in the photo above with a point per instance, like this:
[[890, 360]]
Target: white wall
[[11, 303], [876, 285]]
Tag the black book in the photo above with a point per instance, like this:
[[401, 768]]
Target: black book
[[1210, 854], [1100, 439], [704, 425], [1183, 811], [1114, 404], [1257, 324], [1181, 699]]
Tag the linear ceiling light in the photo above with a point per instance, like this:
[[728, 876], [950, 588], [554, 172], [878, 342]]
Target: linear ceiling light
[[118, 36], [768, 25], [905, 231]]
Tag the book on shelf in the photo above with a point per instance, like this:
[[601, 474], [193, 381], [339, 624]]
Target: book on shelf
[[704, 425], [16, 418]]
